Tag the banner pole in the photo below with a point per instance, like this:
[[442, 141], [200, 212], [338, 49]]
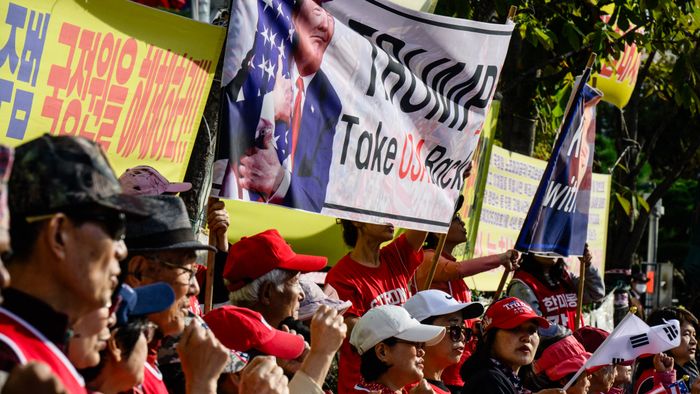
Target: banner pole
[[511, 12], [501, 285], [211, 262], [579, 300], [433, 265]]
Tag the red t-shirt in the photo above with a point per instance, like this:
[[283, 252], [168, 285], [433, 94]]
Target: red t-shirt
[[367, 287]]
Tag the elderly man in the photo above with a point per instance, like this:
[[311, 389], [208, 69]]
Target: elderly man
[[262, 273], [162, 249], [67, 229]]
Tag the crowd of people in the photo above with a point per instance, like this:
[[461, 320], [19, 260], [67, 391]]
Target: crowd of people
[[102, 293]]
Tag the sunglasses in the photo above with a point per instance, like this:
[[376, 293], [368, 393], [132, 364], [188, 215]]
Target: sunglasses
[[459, 332]]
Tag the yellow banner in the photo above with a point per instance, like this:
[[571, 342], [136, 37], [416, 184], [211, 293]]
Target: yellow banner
[[510, 184], [132, 78]]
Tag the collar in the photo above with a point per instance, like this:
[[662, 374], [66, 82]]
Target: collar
[[374, 387], [52, 324], [512, 377]]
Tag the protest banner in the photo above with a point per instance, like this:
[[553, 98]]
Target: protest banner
[[557, 221], [510, 184], [132, 78], [386, 119]]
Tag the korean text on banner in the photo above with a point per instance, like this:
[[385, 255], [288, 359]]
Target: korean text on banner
[[510, 184], [129, 77], [362, 110], [557, 221]]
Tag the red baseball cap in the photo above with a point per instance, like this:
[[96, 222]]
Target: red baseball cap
[[243, 329], [562, 358], [253, 257], [509, 313]]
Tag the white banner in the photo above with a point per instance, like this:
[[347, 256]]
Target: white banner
[[362, 110]]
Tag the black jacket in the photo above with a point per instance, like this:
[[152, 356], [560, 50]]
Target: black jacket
[[489, 380]]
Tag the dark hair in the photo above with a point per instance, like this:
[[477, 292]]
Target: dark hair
[[532, 267], [23, 237], [350, 232], [481, 358], [431, 241], [371, 367], [671, 312], [127, 335]]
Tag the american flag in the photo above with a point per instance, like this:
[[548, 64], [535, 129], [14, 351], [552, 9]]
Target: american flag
[[272, 49]]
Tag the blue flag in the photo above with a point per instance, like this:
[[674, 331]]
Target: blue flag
[[557, 222]]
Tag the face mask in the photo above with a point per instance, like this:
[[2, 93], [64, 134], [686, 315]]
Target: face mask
[[640, 288]]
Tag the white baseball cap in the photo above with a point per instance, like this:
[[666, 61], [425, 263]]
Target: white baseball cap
[[429, 303], [387, 321]]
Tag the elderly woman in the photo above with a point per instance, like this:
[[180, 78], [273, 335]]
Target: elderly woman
[[509, 343], [438, 308], [390, 343]]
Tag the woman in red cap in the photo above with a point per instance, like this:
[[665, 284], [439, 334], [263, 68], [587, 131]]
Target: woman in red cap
[[509, 343]]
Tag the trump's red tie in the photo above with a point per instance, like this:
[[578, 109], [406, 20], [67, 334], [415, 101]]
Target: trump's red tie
[[296, 120]]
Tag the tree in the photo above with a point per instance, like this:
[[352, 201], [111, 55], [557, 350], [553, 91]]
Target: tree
[[655, 137]]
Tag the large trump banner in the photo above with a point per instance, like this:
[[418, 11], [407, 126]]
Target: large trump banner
[[129, 77], [357, 109]]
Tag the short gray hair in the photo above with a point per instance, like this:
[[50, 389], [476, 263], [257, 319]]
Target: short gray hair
[[250, 293]]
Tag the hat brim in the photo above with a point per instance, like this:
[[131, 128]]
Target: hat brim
[[423, 333], [178, 187], [189, 245], [470, 310], [153, 298], [307, 311], [304, 263], [283, 345], [130, 205]]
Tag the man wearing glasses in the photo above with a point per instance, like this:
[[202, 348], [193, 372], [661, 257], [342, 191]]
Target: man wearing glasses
[[68, 218], [162, 249]]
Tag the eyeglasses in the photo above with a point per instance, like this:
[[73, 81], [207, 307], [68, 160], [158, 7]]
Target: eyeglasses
[[459, 332], [191, 272], [114, 223]]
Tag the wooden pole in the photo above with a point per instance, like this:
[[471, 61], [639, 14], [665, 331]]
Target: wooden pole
[[211, 262], [501, 285], [511, 12], [579, 298], [433, 264]]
